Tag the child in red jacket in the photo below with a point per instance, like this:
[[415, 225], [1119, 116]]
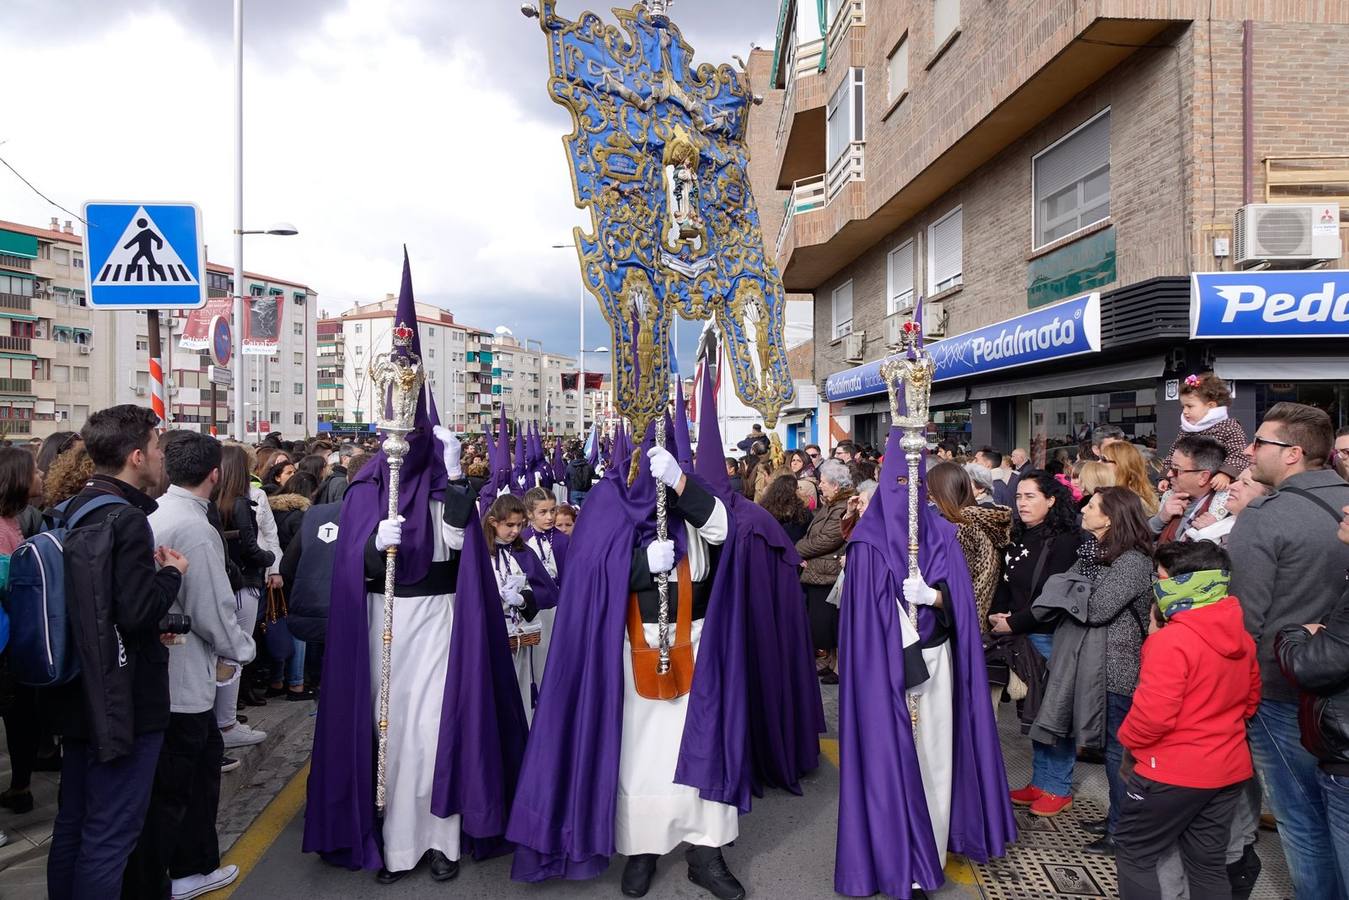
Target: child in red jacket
[[1186, 731]]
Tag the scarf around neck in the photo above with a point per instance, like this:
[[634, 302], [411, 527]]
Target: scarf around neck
[[1190, 591], [1089, 552], [1211, 418]]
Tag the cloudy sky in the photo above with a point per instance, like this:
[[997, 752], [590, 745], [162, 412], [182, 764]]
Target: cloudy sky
[[368, 123]]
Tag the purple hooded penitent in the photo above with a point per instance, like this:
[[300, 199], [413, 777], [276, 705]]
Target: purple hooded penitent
[[885, 841], [563, 819], [559, 462], [786, 716], [482, 729]]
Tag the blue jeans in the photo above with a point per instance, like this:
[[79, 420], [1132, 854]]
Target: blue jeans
[[1295, 794], [291, 669], [1335, 788], [1116, 708], [577, 498], [1052, 764], [100, 813]]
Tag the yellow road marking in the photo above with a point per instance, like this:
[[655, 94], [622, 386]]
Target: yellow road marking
[[829, 747], [254, 843]]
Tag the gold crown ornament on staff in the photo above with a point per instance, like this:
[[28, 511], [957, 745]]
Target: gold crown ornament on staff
[[908, 379], [397, 377]]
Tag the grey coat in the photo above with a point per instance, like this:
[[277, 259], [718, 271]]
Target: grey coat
[[1074, 699], [1121, 595], [1287, 565]]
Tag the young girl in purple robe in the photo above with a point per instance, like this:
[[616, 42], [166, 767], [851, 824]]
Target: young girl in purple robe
[[542, 536], [525, 587]]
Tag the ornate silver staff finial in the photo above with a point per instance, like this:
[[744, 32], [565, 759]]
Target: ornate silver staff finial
[[658, 8], [908, 378], [397, 378]]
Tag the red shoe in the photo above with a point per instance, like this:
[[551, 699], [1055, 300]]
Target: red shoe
[[1027, 795], [1050, 805]]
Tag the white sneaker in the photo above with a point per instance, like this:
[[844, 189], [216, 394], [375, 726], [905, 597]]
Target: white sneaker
[[196, 885], [242, 736]]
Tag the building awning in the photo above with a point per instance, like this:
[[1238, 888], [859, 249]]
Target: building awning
[[1095, 378], [1282, 368], [795, 418]]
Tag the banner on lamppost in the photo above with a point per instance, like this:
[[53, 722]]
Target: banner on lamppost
[[262, 323]]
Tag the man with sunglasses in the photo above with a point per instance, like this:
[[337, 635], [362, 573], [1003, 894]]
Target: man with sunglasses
[[1195, 459], [1288, 568]]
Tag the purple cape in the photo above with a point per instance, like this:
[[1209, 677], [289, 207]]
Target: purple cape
[[786, 715], [540, 582], [563, 819], [884, 833], [559, 463]]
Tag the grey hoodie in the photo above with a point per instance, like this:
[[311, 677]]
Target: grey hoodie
[[180, 522], [1288, 568]]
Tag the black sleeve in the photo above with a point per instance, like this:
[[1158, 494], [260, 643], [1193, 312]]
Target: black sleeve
[[290, 561], [640, 577], [460, 498], [144, 594], [945, 620], [1316, 663], [1002, 598], [530, 609], [695, 504], [251, 555], [374, 560]]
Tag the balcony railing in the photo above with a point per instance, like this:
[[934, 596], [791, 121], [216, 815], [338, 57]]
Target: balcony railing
[[847, 168], [16, 302], [804, 60], [16, 385], [16, 426], [1307, 179], [10, 261], [16, 344], [849, 14], [807, 194]]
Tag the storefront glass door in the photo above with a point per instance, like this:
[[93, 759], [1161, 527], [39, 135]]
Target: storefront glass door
[[1068, 421], [1331, 396]]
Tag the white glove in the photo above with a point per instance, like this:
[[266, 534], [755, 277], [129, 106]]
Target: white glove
[[452, 450], [512, 598], [917, 592], [389, 534], [664, 467], [516, 583], [660, 554]]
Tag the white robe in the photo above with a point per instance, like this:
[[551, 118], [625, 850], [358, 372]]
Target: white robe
[[528, 660], [933, 736], [653, 814], [421, 637]]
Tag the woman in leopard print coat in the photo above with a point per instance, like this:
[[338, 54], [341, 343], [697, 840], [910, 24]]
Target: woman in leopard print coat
[[981, 530]]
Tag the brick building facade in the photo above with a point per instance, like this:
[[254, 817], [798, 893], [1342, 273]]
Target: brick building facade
[[1088, 147]]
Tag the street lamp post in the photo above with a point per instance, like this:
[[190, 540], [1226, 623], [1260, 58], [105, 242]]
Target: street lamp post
[[280, 228]]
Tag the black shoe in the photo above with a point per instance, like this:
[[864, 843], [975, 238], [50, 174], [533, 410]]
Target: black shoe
[[442, 867], [1096, 826], [1243, 873], [17, 801], [384, 876], [241, 719], [828, 676], [637, 874], [301, 695], [251, 698], [708, 870], [274, 692], [1103, 846]]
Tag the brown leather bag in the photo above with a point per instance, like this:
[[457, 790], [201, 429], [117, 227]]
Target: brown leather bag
[[679, 680]]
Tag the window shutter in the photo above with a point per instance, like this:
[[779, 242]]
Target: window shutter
[[946, 250], [1074, 159], [842, 309], [901, 277]]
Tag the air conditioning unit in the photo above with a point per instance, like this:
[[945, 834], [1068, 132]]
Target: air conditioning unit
[[934, 320], [1286, 235], [140, 391], [852, 346], [85, 349], [894, 330]]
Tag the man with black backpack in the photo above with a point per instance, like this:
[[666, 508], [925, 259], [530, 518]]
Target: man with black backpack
[[113, 716], [580, 477]]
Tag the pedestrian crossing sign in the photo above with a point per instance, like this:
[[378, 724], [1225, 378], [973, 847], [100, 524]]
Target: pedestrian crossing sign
[[144, 255]]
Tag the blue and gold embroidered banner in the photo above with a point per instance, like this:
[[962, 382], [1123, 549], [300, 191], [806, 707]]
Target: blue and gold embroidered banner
[[658, 156]]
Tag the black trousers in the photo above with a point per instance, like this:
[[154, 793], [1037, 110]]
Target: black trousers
[[1153, 816], [823, 616], [179, 838]]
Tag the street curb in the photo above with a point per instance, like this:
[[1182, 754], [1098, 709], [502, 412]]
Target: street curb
[[279, 718]]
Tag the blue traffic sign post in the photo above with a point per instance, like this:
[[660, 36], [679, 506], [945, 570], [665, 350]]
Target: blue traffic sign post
[[146, 256], [221, 350]]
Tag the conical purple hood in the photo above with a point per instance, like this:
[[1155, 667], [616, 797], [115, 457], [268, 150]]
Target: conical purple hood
[[711, 465], [683, 450]]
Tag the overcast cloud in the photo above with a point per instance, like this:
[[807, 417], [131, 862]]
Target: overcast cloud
[[368, 124]]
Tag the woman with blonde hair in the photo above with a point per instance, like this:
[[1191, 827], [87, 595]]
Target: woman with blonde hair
[[1093, 476], [1131, 472]]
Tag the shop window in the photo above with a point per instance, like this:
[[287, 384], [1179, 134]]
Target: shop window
[[1071, 181], [897, 69], [842, 310], [844, 116], [945, 252], [1067, 422], [899, 278], [945, 20]]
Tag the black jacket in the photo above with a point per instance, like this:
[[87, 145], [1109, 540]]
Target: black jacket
[[1318, 665], [142, 597], [580, 476], [288, 510], [331, 490], [307, 570], [241, 540], [1027, 564]]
